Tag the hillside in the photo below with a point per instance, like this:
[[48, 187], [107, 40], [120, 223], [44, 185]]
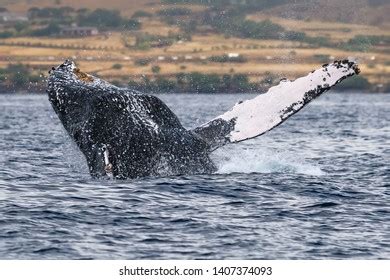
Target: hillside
[[126, 6], [374, 12], [204, 45]]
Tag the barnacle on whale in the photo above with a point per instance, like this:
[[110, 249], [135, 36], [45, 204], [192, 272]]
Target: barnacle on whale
[[83, 76]]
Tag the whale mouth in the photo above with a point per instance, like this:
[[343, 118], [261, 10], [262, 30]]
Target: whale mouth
[[67, 67], [68, 76]]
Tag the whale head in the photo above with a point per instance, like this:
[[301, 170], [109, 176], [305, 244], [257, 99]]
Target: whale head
[[70, 90]]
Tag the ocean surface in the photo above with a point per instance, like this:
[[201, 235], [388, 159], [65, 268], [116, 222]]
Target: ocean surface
[[316, 187]]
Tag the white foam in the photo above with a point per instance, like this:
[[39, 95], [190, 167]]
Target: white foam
[[263, 160]]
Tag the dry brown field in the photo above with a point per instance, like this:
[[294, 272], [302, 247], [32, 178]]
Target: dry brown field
[[98, 54]]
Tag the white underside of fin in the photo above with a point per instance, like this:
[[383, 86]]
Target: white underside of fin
[[259, 115]]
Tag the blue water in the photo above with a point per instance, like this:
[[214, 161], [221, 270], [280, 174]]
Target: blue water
[[317, 187]]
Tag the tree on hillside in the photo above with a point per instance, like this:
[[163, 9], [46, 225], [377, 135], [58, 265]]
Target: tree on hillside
[[52, 29], [156, 69], [101, 18]]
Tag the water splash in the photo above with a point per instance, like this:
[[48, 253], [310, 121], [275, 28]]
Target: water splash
[[263, 160], [72, 155]]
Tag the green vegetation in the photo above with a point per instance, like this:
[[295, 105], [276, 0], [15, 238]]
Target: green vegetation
[[373, 40], [145, 41], [20, 26], [225, 58], [117, 66], [106, 19], [140, 13], [181, 17], [354, 83], [52, 29], [253, 5], [248, 29], [142, 61], [39, 13], [173, 12], [196, 82], [364, 43], [6, 34], [233, 23], [318, 41], [321, 58], [237, 26], [131, 24], [156, 69], [17, 76], [217, 20], [227, 17], [53, 18]]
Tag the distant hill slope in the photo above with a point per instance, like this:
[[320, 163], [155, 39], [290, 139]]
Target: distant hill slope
[[125, 6], [372, 12]]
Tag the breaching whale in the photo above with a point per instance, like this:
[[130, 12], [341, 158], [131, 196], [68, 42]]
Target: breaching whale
[[126, 134]]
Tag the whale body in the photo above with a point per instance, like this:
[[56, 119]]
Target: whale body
[[126, 134]]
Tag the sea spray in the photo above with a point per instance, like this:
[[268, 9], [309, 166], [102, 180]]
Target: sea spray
[[263, 160]]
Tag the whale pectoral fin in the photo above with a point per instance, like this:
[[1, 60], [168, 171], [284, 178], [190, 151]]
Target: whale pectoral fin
[[255, 117], [215, 132]]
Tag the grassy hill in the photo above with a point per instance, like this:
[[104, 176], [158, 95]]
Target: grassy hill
[[367, 12], [127, 7], [227, 45]]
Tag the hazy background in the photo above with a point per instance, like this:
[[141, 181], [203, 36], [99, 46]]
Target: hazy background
[[193, 46]]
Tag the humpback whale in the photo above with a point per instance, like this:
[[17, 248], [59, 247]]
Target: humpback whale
[[126, 134]]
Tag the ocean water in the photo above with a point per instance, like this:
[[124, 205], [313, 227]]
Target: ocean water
[[316, 187]]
